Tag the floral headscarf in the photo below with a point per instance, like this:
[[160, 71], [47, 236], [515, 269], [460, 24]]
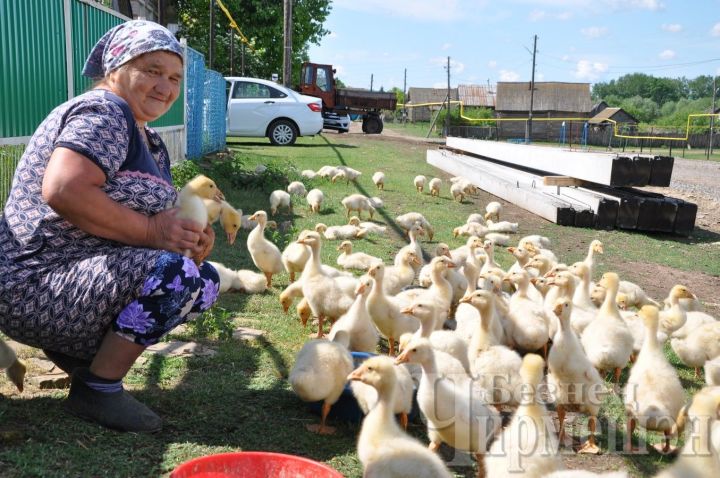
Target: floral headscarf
[[126, 42]]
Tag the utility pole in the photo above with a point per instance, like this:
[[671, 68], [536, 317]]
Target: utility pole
[[212, 34], [371, 81], [232, 52], [405, 97], [528, 129], [447, 115], [242, 59], [287, 52], [712, 118]]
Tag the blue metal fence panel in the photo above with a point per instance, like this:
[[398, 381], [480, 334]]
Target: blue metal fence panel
[[194, 85], [214, 105]]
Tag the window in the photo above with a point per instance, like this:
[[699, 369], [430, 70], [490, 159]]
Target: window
[[323, 79], [248, 89]]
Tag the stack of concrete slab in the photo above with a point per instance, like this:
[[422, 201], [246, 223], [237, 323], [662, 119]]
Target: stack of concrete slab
[[579, 188]]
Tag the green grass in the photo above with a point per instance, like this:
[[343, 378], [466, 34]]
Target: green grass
[[239, 399]]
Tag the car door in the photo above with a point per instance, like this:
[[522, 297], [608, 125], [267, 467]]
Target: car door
[[252, 107]]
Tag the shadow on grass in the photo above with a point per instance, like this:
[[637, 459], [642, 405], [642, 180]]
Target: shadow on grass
[[392, 224]]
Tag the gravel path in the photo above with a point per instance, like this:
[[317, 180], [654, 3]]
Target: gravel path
[[696, 176]]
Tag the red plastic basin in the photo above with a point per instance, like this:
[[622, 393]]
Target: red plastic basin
[[253, 464]]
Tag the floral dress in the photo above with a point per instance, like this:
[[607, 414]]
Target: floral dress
[[62, 288]]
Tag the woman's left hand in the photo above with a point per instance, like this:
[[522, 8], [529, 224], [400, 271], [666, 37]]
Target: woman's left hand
[[204, 246]]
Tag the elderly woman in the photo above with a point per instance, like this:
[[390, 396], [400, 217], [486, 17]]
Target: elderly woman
[[90, 262]]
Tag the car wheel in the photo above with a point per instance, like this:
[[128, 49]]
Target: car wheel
[[282, 133], [341, 131], [372, 125]]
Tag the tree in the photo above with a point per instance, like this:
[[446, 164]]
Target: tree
[[644, 109], [261, 22]]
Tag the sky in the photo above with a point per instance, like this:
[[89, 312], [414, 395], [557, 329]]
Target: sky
[[492, 40]]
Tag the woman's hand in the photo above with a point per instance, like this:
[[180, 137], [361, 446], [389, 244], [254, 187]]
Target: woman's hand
[[205, 245], [166, 231]]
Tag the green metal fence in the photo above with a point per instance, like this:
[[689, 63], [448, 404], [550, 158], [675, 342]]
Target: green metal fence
[[40, 41]]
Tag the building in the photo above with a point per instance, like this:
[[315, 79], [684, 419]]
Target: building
[[553, 104], [477, 96], [422, 96]]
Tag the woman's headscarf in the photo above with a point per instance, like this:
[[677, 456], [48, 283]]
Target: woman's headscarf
[[126, 42]]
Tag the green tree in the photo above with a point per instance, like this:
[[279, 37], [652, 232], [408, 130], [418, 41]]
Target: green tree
[[644, 109], [261, 22]]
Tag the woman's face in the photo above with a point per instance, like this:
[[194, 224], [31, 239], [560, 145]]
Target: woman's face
[[150, 84]]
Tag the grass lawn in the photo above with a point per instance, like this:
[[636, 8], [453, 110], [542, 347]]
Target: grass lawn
[[239, 398]]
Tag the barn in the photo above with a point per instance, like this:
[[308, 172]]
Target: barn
[[553, 103], [423, 96]]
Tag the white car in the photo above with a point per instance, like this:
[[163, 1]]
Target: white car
[[262, 108]]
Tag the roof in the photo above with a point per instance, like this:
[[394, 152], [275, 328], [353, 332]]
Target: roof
[[476, 95], [549, 96], [608, 113], [430, 95]]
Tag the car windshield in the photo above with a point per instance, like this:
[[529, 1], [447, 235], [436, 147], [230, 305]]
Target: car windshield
[[249, 89]]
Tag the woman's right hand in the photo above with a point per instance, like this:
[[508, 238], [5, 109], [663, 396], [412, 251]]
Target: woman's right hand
[[167, 231]]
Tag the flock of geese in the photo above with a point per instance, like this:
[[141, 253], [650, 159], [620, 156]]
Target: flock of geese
[[472, 341]]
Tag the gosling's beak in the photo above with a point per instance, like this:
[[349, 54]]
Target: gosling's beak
[[286, 308], [356, 374], [231, 237], [506, 279], [361, 289], [451, 265], [301, 241], [455, 233], [219, 196], [465, 299], [448, 255], [253, 217], [407, 310], [527, 266], [339, 248], [402, 358], [533, 280], [416, 260], [511, 250], [558, 309], [600, 249], [550, 274]]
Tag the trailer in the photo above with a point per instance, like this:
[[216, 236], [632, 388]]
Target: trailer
[[338, 103]]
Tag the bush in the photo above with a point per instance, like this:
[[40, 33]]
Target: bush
[[183, 172], [216, 322], [277, 174]]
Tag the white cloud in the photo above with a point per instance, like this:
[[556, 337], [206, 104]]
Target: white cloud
[[426, 10], [508, 75], [539, 77], [588, 70], [492, 64], [652, 5], [446, 46], [565, 58], [456, 67], [339, 70], [715, 30], [594, 32], [667, 55], [537, 15], [672, 27]]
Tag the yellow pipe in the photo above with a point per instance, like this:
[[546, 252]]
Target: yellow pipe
[[235, 25]]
